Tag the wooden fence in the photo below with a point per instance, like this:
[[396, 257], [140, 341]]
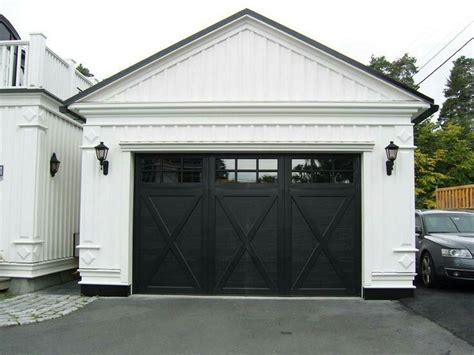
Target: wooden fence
[[455, 197]]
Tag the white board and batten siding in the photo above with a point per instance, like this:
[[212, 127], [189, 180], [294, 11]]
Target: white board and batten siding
[[38, 213], [248, 87]]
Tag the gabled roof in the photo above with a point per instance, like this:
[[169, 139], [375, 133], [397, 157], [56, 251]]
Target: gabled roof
[[280, 27]]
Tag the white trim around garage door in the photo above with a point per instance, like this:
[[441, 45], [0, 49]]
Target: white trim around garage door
[[348, 147]]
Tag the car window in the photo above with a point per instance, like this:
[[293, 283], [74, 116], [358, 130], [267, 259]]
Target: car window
[[464, 223], [418, 222], [450, 223]]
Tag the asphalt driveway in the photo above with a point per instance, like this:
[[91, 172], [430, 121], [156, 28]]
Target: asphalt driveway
[[451, 306], [171, 325]]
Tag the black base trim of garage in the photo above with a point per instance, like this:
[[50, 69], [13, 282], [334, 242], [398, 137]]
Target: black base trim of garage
[[105, 290], [387, 293]]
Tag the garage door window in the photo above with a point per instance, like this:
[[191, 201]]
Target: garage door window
[[171, 170], [322, 170], [247, 170]]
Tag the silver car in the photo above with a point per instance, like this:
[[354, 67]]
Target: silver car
[[445, 243]]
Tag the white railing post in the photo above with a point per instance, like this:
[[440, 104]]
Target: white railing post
[[4, 66], [72, 76], [36, 62]]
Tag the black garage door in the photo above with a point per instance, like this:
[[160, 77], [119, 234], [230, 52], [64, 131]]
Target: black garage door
[[247, 224]]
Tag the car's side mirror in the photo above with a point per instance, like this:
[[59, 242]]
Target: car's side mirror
[[418, 231]]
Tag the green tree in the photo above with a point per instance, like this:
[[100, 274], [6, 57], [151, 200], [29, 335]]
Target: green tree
[[445, 157], [445, 154], [427, 158], [401, 69], [83, 70], [459, 93], [457, 145]]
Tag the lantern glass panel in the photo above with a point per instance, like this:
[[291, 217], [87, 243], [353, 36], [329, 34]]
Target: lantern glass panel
[[54, 164], [392, 151], [101, 151]]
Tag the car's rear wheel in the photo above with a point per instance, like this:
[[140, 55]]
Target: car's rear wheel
[[428, 271]]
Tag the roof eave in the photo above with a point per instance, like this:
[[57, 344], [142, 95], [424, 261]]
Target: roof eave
[[425, 114], [64, 109]]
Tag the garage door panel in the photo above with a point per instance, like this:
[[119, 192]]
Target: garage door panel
[[170, 274], [171, 232], [322, 276], [303, 242], [243, 222], [266, 243], [227, 244], [174, 210], [245, 276], [323, 216], [189, 241], [148, 230], [246, 210], [320, 210]]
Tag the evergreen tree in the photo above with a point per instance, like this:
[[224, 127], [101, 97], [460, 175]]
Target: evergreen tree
[[459, 93], [401, 69]]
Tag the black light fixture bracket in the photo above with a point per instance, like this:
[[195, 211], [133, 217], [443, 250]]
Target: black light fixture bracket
[[104, 166], [389, 164]]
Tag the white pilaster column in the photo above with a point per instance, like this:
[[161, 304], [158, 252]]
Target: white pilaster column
[[28, 245]]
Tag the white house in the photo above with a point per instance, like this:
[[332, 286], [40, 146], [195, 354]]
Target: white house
[[39, 212], [248, 159]]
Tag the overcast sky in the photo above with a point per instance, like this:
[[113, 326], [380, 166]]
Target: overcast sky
[[110, 35]]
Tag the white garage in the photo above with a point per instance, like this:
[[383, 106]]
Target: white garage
[[248, 159]]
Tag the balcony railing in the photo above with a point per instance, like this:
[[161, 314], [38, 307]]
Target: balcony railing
[[31, 64]]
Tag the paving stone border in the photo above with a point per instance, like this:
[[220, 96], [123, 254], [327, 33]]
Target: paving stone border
[[34, 307]]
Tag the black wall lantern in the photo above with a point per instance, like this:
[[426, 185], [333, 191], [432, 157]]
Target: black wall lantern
[[392, 151], [54, 165], [101, 151]]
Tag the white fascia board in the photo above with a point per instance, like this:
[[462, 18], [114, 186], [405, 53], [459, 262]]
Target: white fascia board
[[257, 108]]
